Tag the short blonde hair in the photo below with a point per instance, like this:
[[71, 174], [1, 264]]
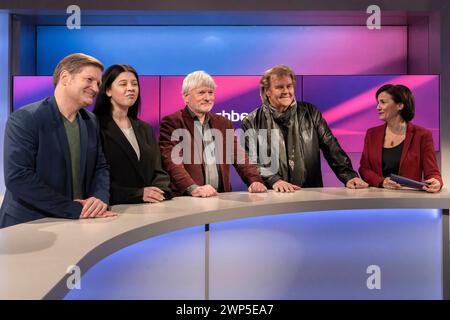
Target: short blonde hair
[[73, 64], [280, 70]]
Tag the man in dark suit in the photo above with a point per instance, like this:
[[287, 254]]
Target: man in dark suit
[[201, 167], [53, 163]]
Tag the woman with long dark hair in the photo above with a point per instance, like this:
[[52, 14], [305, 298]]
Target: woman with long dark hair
[[129, 144]]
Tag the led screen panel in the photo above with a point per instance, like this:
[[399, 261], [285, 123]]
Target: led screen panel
[[28, 89], [348, 103], [230, 50]]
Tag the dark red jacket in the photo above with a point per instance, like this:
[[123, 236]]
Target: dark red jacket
[[418, 160], [186, 174]]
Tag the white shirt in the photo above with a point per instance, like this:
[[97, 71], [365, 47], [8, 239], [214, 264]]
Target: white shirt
[[131, 137]]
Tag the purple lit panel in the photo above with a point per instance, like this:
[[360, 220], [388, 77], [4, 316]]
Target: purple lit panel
[[171, 98], [235, 96], [348, 103], [29, 89], [344, 50], [149, 86]]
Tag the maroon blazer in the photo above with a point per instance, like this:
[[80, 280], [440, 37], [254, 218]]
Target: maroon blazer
[[186, 174], [418, 160]]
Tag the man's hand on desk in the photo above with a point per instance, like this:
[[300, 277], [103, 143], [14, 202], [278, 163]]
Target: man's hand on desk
[[283, 186], [153, 194], [356, 183], [94, 208]]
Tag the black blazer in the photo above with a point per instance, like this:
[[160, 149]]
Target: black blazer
[[129, 175]]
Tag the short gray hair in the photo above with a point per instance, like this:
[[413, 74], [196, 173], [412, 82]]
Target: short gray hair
[[197, 79]]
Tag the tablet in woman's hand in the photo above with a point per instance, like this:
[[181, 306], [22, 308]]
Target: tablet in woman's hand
[[407, 182]]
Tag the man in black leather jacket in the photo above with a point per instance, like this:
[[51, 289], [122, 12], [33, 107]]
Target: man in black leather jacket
[[294, 133]]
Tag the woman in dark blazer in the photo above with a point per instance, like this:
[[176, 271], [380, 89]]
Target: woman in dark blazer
[[398, 146], [129, 144]]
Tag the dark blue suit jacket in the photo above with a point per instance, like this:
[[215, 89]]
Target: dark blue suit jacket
[[38, 174]]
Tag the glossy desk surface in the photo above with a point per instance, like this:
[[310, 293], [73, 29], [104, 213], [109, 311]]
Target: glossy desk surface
[[34, 256]]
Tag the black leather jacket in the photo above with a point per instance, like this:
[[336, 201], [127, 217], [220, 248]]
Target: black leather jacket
[[313, 135]]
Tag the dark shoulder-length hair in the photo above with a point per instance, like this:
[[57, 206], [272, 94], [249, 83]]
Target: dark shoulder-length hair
[[103, 103], [400, 94]]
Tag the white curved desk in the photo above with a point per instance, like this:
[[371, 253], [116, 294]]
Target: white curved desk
[[34, 256]]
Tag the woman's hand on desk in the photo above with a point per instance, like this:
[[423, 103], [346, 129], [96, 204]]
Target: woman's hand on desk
[[433, 185], [389, 184], [153, 195]]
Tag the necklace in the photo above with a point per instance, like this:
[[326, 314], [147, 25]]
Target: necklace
[[395, 137]]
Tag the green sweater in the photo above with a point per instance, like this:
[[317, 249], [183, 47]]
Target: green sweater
[[73, 139]]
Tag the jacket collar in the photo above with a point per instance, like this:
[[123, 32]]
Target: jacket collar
[[110, 128], [408, 138], [195, 117], [188, 119]]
